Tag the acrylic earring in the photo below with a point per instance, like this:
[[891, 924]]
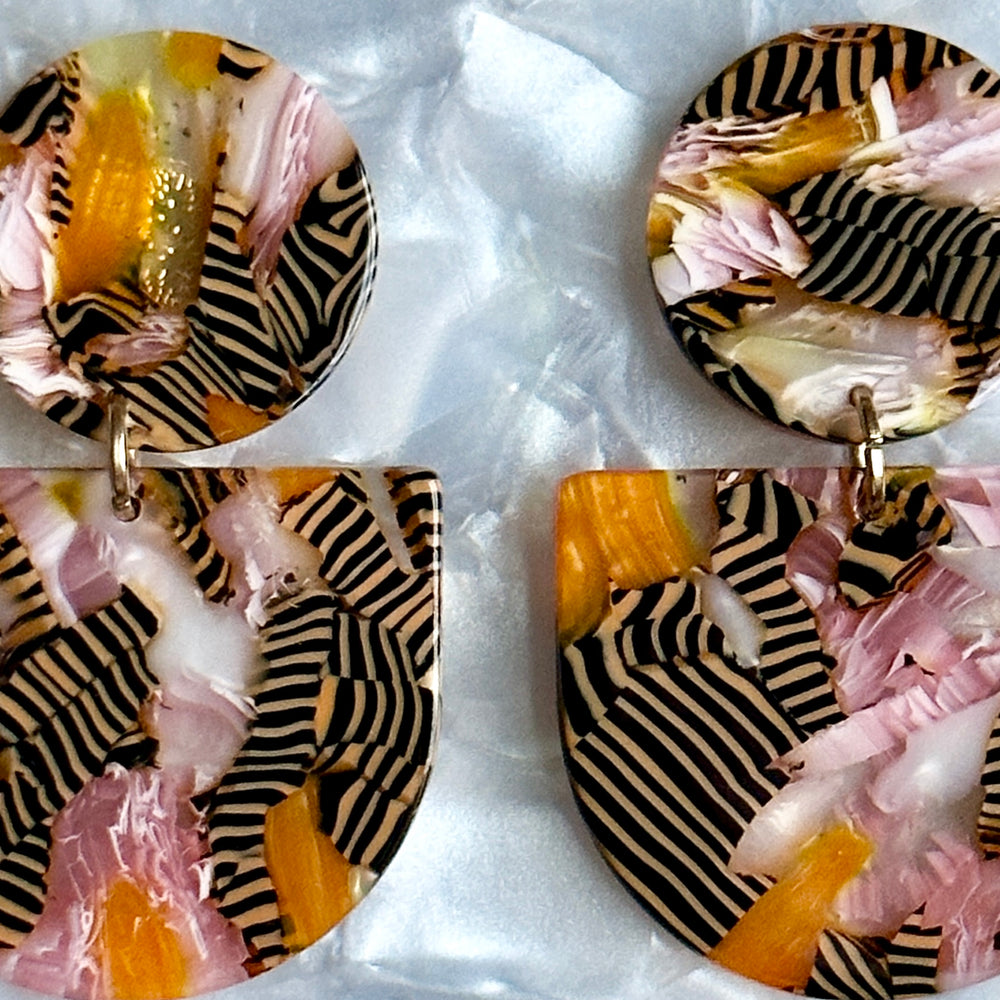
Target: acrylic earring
[[219, 686], [780, 688]]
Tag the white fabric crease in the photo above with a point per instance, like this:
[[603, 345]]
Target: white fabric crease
[[513, 337]]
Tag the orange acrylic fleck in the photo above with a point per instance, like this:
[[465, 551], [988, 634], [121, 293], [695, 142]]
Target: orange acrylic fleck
[[230, 420], [614, 526], [139, 950], [10, 153], [193, 58], [806, 146], [293, 482], [112, 185], [775, 941], [310, 876], [660, 225]]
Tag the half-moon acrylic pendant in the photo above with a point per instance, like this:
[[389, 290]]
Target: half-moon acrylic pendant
[[218, 686], [780, 688]]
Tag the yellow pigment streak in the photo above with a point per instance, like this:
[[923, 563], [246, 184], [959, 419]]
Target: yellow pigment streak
[[193, 58], [620, 526], [775, 941], [140, 950], [111, 183], [310, 876]]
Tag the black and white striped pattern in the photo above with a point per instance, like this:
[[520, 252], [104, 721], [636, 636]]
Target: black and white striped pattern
[[47, 106], [187, 497], [261, 350], [886, 555], [134, 748], [758, 521], [167, 407], [416, 497], [227, 316], [259, 339], [985, 83], [273, 762], [988, 824], [45, 103], [83, 416], [669, 756], [821, 70], [848, 968], [60, 196], [23, 887], [359, 564], [732, 377], [67, 710], [113, 311], [896, 254], [975, 348], [90, 651], [241, 61], [664, 622], [65, 706], [913, 958], [720, 309], [696, 319], [375, 749], [881, 251], [324, 273], [225, 324], [341, 698], [22, 584]]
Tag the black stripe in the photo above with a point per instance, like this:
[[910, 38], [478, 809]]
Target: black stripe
[[241, 61], [670, 754], [844, 78]]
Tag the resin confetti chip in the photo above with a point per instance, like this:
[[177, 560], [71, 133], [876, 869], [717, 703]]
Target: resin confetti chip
[[827, 215], [183, 222]]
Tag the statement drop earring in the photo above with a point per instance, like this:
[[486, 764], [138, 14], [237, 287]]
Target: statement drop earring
[[218, 686], [780, 688]]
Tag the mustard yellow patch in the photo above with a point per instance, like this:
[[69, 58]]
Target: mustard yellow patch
[[68, 493], [111, 183], [292, 482], [193, 58], [614, 526], [138, 948], [806, 146], [310, 876], [10, 153], [230, 420], [776, 940]]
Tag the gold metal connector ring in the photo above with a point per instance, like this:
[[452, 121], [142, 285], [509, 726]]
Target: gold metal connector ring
[[123, 500], [868, 456]]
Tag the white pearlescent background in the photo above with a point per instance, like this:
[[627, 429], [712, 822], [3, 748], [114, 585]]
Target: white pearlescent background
[[513, 337]]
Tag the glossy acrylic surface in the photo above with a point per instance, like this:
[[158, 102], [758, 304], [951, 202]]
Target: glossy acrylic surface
[[215, 721], [781, 723], [825, 217], [185, 223], [513, 338]]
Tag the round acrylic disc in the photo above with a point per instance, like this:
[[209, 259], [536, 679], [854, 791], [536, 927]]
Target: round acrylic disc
[[827, 215], [184, 222]]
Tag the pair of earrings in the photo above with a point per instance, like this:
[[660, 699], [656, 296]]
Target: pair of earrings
[[765, 674]]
